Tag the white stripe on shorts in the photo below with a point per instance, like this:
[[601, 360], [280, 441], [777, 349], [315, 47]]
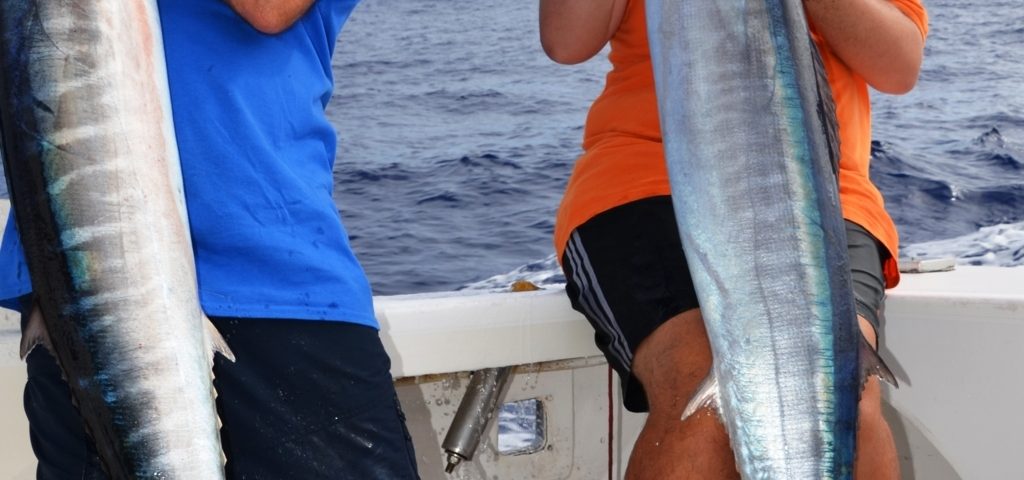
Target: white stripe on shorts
[[592, 300]]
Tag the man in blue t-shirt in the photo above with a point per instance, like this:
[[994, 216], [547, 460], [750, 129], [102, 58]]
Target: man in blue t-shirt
[[310, 395]]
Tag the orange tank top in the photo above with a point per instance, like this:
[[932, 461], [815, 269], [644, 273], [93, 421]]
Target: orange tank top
[[623, 158]]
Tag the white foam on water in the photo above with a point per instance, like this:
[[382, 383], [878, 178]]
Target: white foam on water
[[997, 245], [544, 273]]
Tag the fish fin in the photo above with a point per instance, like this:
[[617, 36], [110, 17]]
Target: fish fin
[[872, 364], [826, 108], [217, 341], [705, 396], [34, 333]]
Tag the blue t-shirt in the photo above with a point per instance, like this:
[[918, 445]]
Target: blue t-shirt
[[257, 153]]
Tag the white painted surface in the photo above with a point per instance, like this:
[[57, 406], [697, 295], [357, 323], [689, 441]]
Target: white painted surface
[[954, 339], [576, 416], [454, 332]]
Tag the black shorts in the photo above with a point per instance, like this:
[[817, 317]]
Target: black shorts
[[626, 272], [305, 399]]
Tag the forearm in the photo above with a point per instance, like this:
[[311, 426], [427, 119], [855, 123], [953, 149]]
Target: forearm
[[572, 31], [270, 16], [874, 38]]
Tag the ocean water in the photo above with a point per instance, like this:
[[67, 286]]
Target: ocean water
[[457, 135], [949, 156]]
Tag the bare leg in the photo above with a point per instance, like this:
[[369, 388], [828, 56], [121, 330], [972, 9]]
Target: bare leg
[[671, 363], [876, 449]]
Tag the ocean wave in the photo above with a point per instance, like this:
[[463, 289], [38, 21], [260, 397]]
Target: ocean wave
[[544, 273], [997, 245]]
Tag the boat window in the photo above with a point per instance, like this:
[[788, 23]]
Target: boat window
[[521, 427]]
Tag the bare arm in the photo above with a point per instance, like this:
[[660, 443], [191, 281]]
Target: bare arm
[[573, 31], [270, 16], [874, 38]]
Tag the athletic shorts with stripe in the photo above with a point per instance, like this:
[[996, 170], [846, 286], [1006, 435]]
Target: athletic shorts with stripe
[[626, 272]]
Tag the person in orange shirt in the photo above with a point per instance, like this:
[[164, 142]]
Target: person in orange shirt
[[616, 236]]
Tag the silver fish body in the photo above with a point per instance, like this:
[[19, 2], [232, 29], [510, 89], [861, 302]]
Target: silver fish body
[[96, 189], [749, 134]]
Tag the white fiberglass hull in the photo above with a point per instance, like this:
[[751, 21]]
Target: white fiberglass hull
[[953, 338]]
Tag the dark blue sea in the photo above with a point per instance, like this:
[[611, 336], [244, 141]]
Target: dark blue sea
[[457, 135]]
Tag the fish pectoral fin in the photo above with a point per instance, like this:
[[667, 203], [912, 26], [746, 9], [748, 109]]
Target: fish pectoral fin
[[34, 333], [872, 364], [217, 341], [705, 396]]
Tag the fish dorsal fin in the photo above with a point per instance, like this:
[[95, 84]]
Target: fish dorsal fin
[[219, 346], [826, 108], [705, 396], [872, 364], [35, 333], [217, 341]]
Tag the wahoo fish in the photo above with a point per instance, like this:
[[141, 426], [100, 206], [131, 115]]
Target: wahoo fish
[[92, 168], [751, 145]]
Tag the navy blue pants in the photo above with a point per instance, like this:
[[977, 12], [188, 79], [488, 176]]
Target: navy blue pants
[[304, 400]]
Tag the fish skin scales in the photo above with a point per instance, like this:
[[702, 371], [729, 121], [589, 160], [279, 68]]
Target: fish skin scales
[[749, 132], [96, 190]]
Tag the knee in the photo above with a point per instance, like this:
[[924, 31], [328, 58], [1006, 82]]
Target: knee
[[673, 361], [871, 422], [876, 449], [871, 398]]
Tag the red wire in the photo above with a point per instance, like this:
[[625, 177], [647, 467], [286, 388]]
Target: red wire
[[611, 424]]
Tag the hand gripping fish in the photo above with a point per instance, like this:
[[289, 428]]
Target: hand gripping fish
[[92, 168], [750, 140]]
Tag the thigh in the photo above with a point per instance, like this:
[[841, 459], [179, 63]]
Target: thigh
[[309, 399], [61, 446], [866, 260], [626, 272]]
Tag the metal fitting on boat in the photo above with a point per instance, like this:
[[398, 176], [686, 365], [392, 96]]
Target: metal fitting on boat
[[476, 409]]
